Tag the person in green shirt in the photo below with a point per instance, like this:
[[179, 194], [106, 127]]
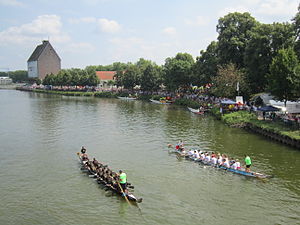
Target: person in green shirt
[[123, 181], [248, 163]]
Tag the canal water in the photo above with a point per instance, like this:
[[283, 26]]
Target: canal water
[[41, 181]]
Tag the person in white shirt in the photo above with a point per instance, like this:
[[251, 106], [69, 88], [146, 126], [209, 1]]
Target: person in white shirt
[[214, 160], [196, 154], [226, 163], [238, 164], [220, 160], [234, 165], [207, 157]]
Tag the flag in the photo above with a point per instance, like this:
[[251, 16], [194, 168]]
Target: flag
[[238, 86]]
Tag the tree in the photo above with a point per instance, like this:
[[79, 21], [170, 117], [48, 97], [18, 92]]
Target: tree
[[296, 26], [119, 78], [258, 57], [226, 82], [130, 77], [178, 71], [265, 41], [234, 34], [206, 65], [150, 79], [18, 75], [284, 77], [93, 80], [49, 79]]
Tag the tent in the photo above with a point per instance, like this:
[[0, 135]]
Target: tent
[[268, 108], [228, 102]]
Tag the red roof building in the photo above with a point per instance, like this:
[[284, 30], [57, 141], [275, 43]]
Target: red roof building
[[105, 75]]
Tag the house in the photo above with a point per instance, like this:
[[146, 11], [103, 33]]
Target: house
[[105, 77], [5, 80], [44, 60]]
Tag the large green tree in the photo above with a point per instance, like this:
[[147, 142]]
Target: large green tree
[[234, 34], [151, 78], [284, 77], [206, 65], [130, 77], [296, 24], [178, 71], [229, 82], [265, 41]]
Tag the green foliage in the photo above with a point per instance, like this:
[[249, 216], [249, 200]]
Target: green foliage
[[216, 112], [178, 71], [278, 127], [284, 77], [187, 102], [156, 97], [16, 76], [206, 65], [145, 97], [130, 77], [226, 81], [239, 117], [296, 26], [105, 95], [72, 77], [19, 76], [150, 78], [234, 34]]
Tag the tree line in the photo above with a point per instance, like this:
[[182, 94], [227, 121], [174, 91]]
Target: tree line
[[248, 57]]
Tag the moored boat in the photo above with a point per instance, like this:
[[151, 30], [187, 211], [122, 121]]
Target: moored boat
[[164, 102], [196, 111], [127, 98]]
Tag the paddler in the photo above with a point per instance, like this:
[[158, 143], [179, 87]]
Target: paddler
[[123, 181], [83, 150], [248, 163]]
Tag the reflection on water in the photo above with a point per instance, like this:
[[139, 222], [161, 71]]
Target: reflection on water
[[40, 180]]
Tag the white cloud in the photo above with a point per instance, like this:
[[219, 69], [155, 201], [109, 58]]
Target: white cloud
[[198, 21], [11, 3], [133, 48], [278, 7], [83, 20], [169, 31], [264, 7], [43, 27], [227, 10], [109, 26], [80, 47]]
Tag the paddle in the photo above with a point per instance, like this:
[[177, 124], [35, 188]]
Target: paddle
[[123, 192]]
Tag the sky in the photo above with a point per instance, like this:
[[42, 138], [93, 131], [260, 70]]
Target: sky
[[101, 32]]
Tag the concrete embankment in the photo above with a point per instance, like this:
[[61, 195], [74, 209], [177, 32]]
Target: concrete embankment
[[274, 136]]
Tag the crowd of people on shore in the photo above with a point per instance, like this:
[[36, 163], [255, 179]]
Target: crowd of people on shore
[[104, 174], [213, 158]]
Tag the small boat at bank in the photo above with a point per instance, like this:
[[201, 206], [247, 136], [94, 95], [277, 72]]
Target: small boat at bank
[[240, 172], [130, 197], [196, 111], [164, 102], [127, 98]]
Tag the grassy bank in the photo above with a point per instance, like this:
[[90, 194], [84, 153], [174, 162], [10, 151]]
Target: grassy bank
[[76, 93], [241, 118]]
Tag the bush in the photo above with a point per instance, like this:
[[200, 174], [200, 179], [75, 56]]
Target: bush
[[145, 97], [239, 117], [105, 95], [187, 102], [156, 97], [216, 112]]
